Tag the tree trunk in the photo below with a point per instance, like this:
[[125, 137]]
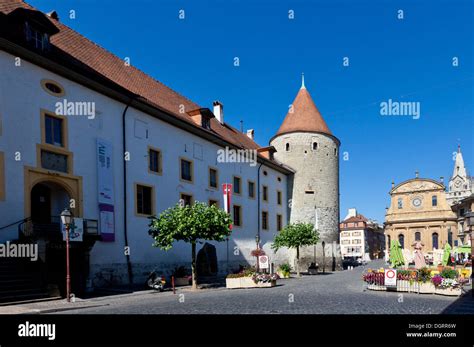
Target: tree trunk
[[298, 261], [193, 265]]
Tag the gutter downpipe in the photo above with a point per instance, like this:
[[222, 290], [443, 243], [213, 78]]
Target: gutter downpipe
[[258, 205], [125, 219]]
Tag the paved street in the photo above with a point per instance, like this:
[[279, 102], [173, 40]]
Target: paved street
[[338, 293]]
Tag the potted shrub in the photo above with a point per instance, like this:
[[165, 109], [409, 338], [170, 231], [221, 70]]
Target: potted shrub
[[284, 270], [181, 276], [265, 280], [424, 280]]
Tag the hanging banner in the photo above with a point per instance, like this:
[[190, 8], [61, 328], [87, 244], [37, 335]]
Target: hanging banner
[[227, 192], [76, 230], [105, 176], [107, 225], [105, 186]]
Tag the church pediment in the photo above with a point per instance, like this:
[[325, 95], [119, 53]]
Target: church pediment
[[417, 185]]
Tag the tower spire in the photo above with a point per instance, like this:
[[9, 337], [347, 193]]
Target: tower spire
[[302, 81]]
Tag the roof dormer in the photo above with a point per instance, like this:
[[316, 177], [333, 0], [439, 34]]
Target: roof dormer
[[202, 117]]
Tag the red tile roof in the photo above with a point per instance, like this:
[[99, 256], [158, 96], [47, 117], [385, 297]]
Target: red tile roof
[[129, 77], [304, 116], [358, 218]]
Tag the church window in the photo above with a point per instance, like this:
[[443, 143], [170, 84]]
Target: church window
[[434, 239], [417, 236], [400, 203], [287, 147], [315, 146], [401, 239], [434, 200], [450, 237], [335, 151]]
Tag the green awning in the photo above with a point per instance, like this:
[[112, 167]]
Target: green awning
[[463, 249]]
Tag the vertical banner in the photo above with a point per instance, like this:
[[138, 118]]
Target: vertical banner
[[105, 186], [227, 192]]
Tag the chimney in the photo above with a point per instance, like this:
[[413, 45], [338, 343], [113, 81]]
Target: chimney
[[250, 133], [53, 14], [441, 179], [416, 174], [219, 111], [393, 184]]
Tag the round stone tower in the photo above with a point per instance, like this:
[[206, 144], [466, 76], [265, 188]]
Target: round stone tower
[[305, 143]]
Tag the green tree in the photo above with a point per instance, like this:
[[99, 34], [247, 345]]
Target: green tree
[[296, 235], [189, 224]]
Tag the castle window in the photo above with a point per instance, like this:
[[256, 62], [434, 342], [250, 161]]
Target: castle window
[[315, 146], [144, 199], [186, 170], [278, 197], [36, 38], [52, 87], [213, 178], [264, 220], [434, 240], [400, 203], [237, 185], [154, 160], [434, 200], [279, 222], [335, 151], [417, 236], [265, 193], [287, 147], [251, 189], [237, 215], [187, 199], [401, 239], [53, 128]]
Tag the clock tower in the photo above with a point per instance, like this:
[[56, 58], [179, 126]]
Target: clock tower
[[460, 184]]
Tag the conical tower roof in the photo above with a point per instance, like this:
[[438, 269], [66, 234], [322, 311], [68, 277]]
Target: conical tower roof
[[303, 116]]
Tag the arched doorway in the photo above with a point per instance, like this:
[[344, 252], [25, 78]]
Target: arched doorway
[[48, 200]]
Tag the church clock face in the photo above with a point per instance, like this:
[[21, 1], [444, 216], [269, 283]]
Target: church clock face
[[416, 202]]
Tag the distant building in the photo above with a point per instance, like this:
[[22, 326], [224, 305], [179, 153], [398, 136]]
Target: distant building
[[361, 237], [461, 185], [419, 211], [464, 210]]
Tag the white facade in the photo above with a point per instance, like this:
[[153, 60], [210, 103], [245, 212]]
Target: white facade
[[22, 101]]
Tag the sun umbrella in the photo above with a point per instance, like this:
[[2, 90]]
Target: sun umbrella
[[396, 256], [446, 254]]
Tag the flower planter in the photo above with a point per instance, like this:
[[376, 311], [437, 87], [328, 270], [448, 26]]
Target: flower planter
[[283, 275], [448, 291], [181, 281], [376, 287], [427, 288], [247, 282]]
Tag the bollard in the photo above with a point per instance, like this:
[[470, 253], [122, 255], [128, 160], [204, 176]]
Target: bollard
[[172, 284]]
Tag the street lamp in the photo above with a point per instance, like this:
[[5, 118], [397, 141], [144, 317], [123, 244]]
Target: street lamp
[[66, 219], [257, 241]]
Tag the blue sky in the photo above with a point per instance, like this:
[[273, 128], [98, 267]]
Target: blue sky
[[403, 60]]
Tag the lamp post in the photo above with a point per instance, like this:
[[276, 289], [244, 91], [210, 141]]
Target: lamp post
[[470, 223], [66, 219]]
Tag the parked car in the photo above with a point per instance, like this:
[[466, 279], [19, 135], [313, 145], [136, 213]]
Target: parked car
[[349, 261]]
